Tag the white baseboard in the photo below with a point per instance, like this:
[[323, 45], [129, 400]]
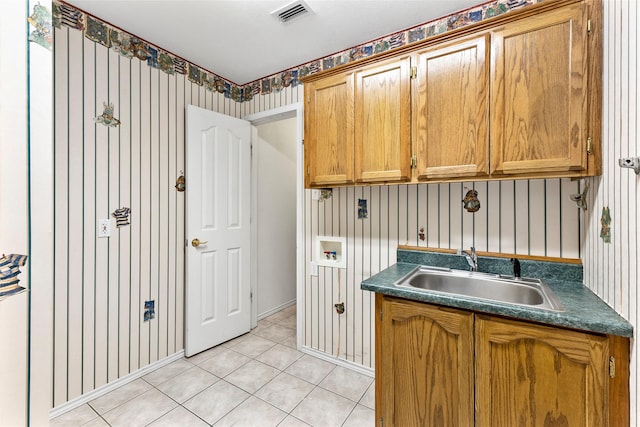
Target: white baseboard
[[277, 309], [102, 390], [340, 362]]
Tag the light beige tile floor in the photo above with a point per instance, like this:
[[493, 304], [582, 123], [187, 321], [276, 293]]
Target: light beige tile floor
[[258, 379]]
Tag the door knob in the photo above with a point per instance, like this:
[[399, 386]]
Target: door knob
[[196, 242]]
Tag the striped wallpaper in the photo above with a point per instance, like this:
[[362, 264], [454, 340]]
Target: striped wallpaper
[[524, 217], [101, 283], [611, 269], [25, 222]]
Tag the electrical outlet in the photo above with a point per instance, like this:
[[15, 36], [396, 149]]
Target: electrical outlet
[[104, 228], [314, 268], [315, 194]]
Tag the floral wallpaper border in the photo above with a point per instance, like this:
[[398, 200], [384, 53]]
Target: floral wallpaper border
[[131, 46]]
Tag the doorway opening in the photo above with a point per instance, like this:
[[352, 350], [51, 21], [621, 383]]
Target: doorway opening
[[277, 196]]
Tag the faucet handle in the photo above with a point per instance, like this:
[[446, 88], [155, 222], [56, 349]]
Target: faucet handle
[[516, 267]]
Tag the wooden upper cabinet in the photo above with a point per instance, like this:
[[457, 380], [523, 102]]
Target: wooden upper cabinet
[[383, 122], [531, 375], [539, 119], [424, 364], [451, 117], [329, 131], [515, 97]]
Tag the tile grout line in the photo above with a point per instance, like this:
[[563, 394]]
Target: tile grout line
[[277, 343]]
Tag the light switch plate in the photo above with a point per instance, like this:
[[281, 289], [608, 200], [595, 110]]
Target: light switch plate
[[104, 228], [314, 268], [315, 194]]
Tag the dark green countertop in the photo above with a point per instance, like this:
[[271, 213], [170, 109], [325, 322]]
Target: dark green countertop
[[583, 310]]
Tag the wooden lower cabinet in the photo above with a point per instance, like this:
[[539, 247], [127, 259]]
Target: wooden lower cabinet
[[532, 375], [424, 365], [438, 366]]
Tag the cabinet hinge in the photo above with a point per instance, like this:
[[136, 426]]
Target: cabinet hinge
[[589, 145], [308, 99], [612, 367], [588, 26], [251, 295], [414, 72], [413, 161], [381, 421], [381, 315]]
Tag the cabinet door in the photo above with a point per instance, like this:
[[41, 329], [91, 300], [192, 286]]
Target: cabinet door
[[424, 364], [538, 94], [383, 126], [329, 131], [529, 375], [451, 117]]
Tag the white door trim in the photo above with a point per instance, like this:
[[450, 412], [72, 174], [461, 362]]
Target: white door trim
[[284, 112]]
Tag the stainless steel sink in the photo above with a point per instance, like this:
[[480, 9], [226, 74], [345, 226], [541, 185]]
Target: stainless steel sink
[[489, 287]]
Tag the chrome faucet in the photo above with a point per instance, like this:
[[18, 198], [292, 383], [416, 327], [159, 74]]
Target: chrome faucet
[[472, 259]]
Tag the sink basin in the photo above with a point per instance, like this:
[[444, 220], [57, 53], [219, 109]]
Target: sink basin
[[484, 286]]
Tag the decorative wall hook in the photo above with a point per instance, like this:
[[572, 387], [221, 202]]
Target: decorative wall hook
[[106, 118], [471, 202], [122, 216], [41, 20], [326, 193], [9, 271], [631, 163], [605, 223], [363, 213], [180, 182], [581, 198], [149, 310]]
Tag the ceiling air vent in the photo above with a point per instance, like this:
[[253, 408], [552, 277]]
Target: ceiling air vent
[[291, 11]]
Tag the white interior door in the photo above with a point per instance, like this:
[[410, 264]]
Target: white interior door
[[218, 169]]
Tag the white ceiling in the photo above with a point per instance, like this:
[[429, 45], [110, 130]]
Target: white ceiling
[[240, 41]]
